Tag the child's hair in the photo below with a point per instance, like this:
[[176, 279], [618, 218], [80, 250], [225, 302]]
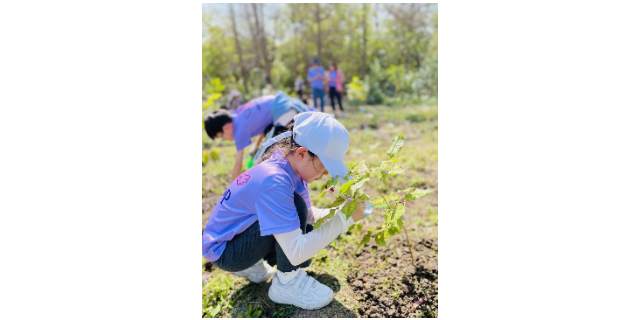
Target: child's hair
[[286, 145], [214, 122]]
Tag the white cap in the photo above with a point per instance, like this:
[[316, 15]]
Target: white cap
[[235, 93], [327, 138]]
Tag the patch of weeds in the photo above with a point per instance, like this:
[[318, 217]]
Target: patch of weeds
[[283, 311], [433, 215], [416, 117], [396, 292], [421, 223], [215, 298], [321, 257], [252, 312]]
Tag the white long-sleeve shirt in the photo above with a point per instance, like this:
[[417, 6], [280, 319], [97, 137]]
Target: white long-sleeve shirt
[[300, 247]]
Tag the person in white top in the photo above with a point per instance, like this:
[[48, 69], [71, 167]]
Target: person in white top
[[235, 101], [298, 86], [264, 214]]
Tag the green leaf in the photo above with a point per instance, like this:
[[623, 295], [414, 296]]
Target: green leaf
[[365, 240], [356, 164], [323, 219], [398, 212], [331, 183], [364, 197], [350, 208], [396, 145], [380, 239], [214, 155], [418, 193], [388, 214], [216, 310], [359, 227], [337, 202], [359, 184], [395, 171], [346, 186]]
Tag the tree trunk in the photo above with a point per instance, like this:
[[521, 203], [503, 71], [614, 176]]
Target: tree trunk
[[364, 40], [319, 34], [296, 35], [262, 42], [243, 68]]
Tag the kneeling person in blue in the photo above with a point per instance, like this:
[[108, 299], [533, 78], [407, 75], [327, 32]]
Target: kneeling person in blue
[[254, 118], [264, 214]]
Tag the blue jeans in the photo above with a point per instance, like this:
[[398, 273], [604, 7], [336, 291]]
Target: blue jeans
[[248, 247], [318, 94]]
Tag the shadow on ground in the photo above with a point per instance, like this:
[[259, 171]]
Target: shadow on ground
[[253, 297]]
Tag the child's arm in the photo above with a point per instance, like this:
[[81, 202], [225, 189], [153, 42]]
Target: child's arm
[[256, 146], [314, 214], [300, 247], [237, 166]]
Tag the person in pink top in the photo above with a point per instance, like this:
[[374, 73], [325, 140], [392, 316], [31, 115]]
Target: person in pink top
[[334, 86]]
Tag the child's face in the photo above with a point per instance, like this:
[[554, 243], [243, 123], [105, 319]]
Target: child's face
[[227, 132], [309, 168]]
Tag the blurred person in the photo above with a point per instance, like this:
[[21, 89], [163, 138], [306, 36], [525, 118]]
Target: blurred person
[[298, 87], [316, 77], [235, 101], [334, 86], [256, 118]]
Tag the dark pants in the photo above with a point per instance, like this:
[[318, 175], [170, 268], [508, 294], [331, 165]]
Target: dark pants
[[248, 247], [334, 93], [318, 94], [299, 92], [278, 131]]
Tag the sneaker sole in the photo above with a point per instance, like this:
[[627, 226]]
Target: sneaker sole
[[305, 308]]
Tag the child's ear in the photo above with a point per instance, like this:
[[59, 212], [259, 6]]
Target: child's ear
[[301, 152]]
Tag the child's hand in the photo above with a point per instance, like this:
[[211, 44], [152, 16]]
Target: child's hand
[[253, 150], [359, 213]]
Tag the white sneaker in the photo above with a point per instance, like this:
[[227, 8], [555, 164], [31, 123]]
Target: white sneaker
[[259, 272], [303, 291]]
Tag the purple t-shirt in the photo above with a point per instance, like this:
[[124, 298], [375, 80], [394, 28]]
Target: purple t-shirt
[[250, 120], [332, 75], [263, 193], [318, 83]]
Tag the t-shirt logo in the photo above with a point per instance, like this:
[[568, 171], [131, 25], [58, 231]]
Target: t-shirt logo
[[225, 196], [245, 110], [242, 179]]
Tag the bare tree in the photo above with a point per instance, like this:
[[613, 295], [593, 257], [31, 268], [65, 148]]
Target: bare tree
[[319, 18], [296, 32], [243, 68], [364, 39], [256, 26]]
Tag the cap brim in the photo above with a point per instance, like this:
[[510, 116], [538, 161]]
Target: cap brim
[[336, 168]]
